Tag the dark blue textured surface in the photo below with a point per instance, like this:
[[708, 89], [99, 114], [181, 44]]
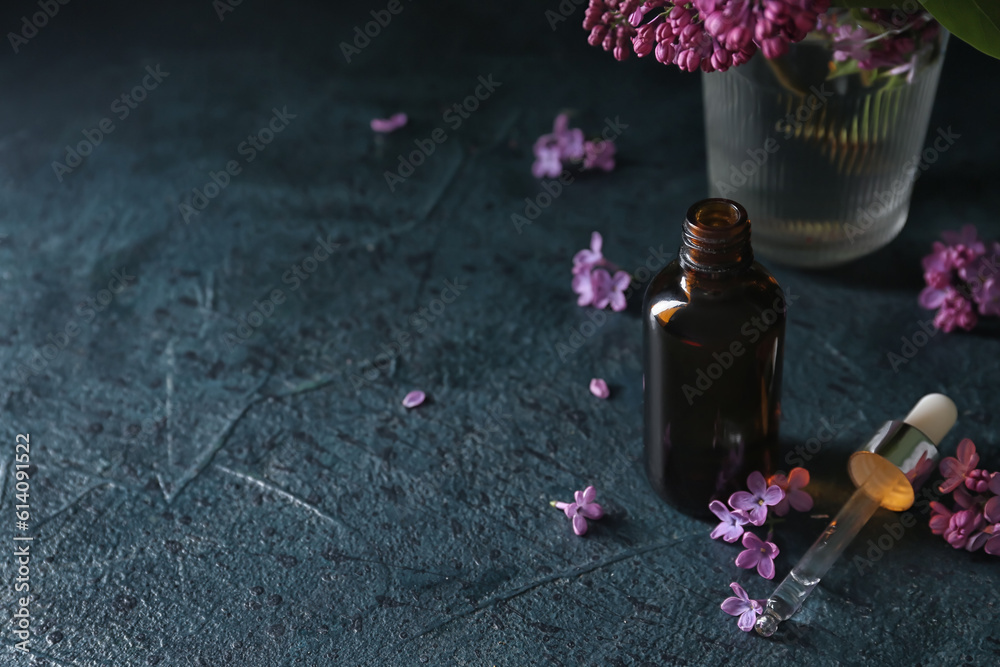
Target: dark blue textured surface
[[271, 503]]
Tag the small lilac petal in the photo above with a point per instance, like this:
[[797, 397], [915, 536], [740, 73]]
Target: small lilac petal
[[967, 453], [800, 500], [414, 398], [734, 606], [592, 511], [732, 533], [561, 124], [741, 500], [618, 302], [748, 559], [579, 524], [596, 243], [765, 568], [756, 483], [600, 285], [589, 494], [571, 510], [718, 509], [993, 544], [781, 509], [992, 510], [950, 484], [751, 541], [758, 515], [977, 541], [773, 495], [742, 594], [621, 280], [578, 497], [932, 297], [747, 620], [390, 124], [963, 498], [599, 388], [798, 478]]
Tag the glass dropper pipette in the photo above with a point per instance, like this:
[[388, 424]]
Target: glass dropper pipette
[[885, 470]]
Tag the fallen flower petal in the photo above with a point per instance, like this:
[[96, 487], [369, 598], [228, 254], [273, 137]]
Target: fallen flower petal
[[390, 124], [599, 388], [414, 398]]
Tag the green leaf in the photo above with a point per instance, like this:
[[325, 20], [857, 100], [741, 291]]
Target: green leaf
[[974, 21]]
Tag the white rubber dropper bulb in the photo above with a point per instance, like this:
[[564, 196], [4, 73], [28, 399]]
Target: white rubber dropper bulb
[[933, 415]]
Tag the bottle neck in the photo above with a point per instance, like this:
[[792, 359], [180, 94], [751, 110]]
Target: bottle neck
[[715, 242]]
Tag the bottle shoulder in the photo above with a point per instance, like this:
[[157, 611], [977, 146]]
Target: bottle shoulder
[[749, 293]]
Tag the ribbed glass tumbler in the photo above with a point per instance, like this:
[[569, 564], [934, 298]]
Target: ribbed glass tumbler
[[824, 166]]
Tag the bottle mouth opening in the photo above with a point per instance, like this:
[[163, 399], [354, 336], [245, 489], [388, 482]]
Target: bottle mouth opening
[[716, 215]]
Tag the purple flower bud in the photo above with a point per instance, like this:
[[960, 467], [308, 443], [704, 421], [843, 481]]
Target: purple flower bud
[[665, 53], [720, 60], [737, 38], [716, 24], [978, 481], [665, 33], [680, 17], [597, 35], [774, 48], [688, 60]]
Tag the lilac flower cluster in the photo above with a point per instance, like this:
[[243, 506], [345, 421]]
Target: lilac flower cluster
[[963, 279], [898, 46], [712, 35], [973, 523], [596, 281], [565, 147], [746, 508]]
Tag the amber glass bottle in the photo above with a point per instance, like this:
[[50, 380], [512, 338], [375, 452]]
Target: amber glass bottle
[[714, 329]]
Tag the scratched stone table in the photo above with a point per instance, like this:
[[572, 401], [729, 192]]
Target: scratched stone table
[[221, 471]]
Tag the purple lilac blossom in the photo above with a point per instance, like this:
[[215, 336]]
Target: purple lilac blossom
[[711, 35], [792, 485], [731, 523], [956, 468], [748, 610], [962, 528], [757, 500], [565, 146], [940, 517], [759, 554], [582, 508], [599, 154]]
